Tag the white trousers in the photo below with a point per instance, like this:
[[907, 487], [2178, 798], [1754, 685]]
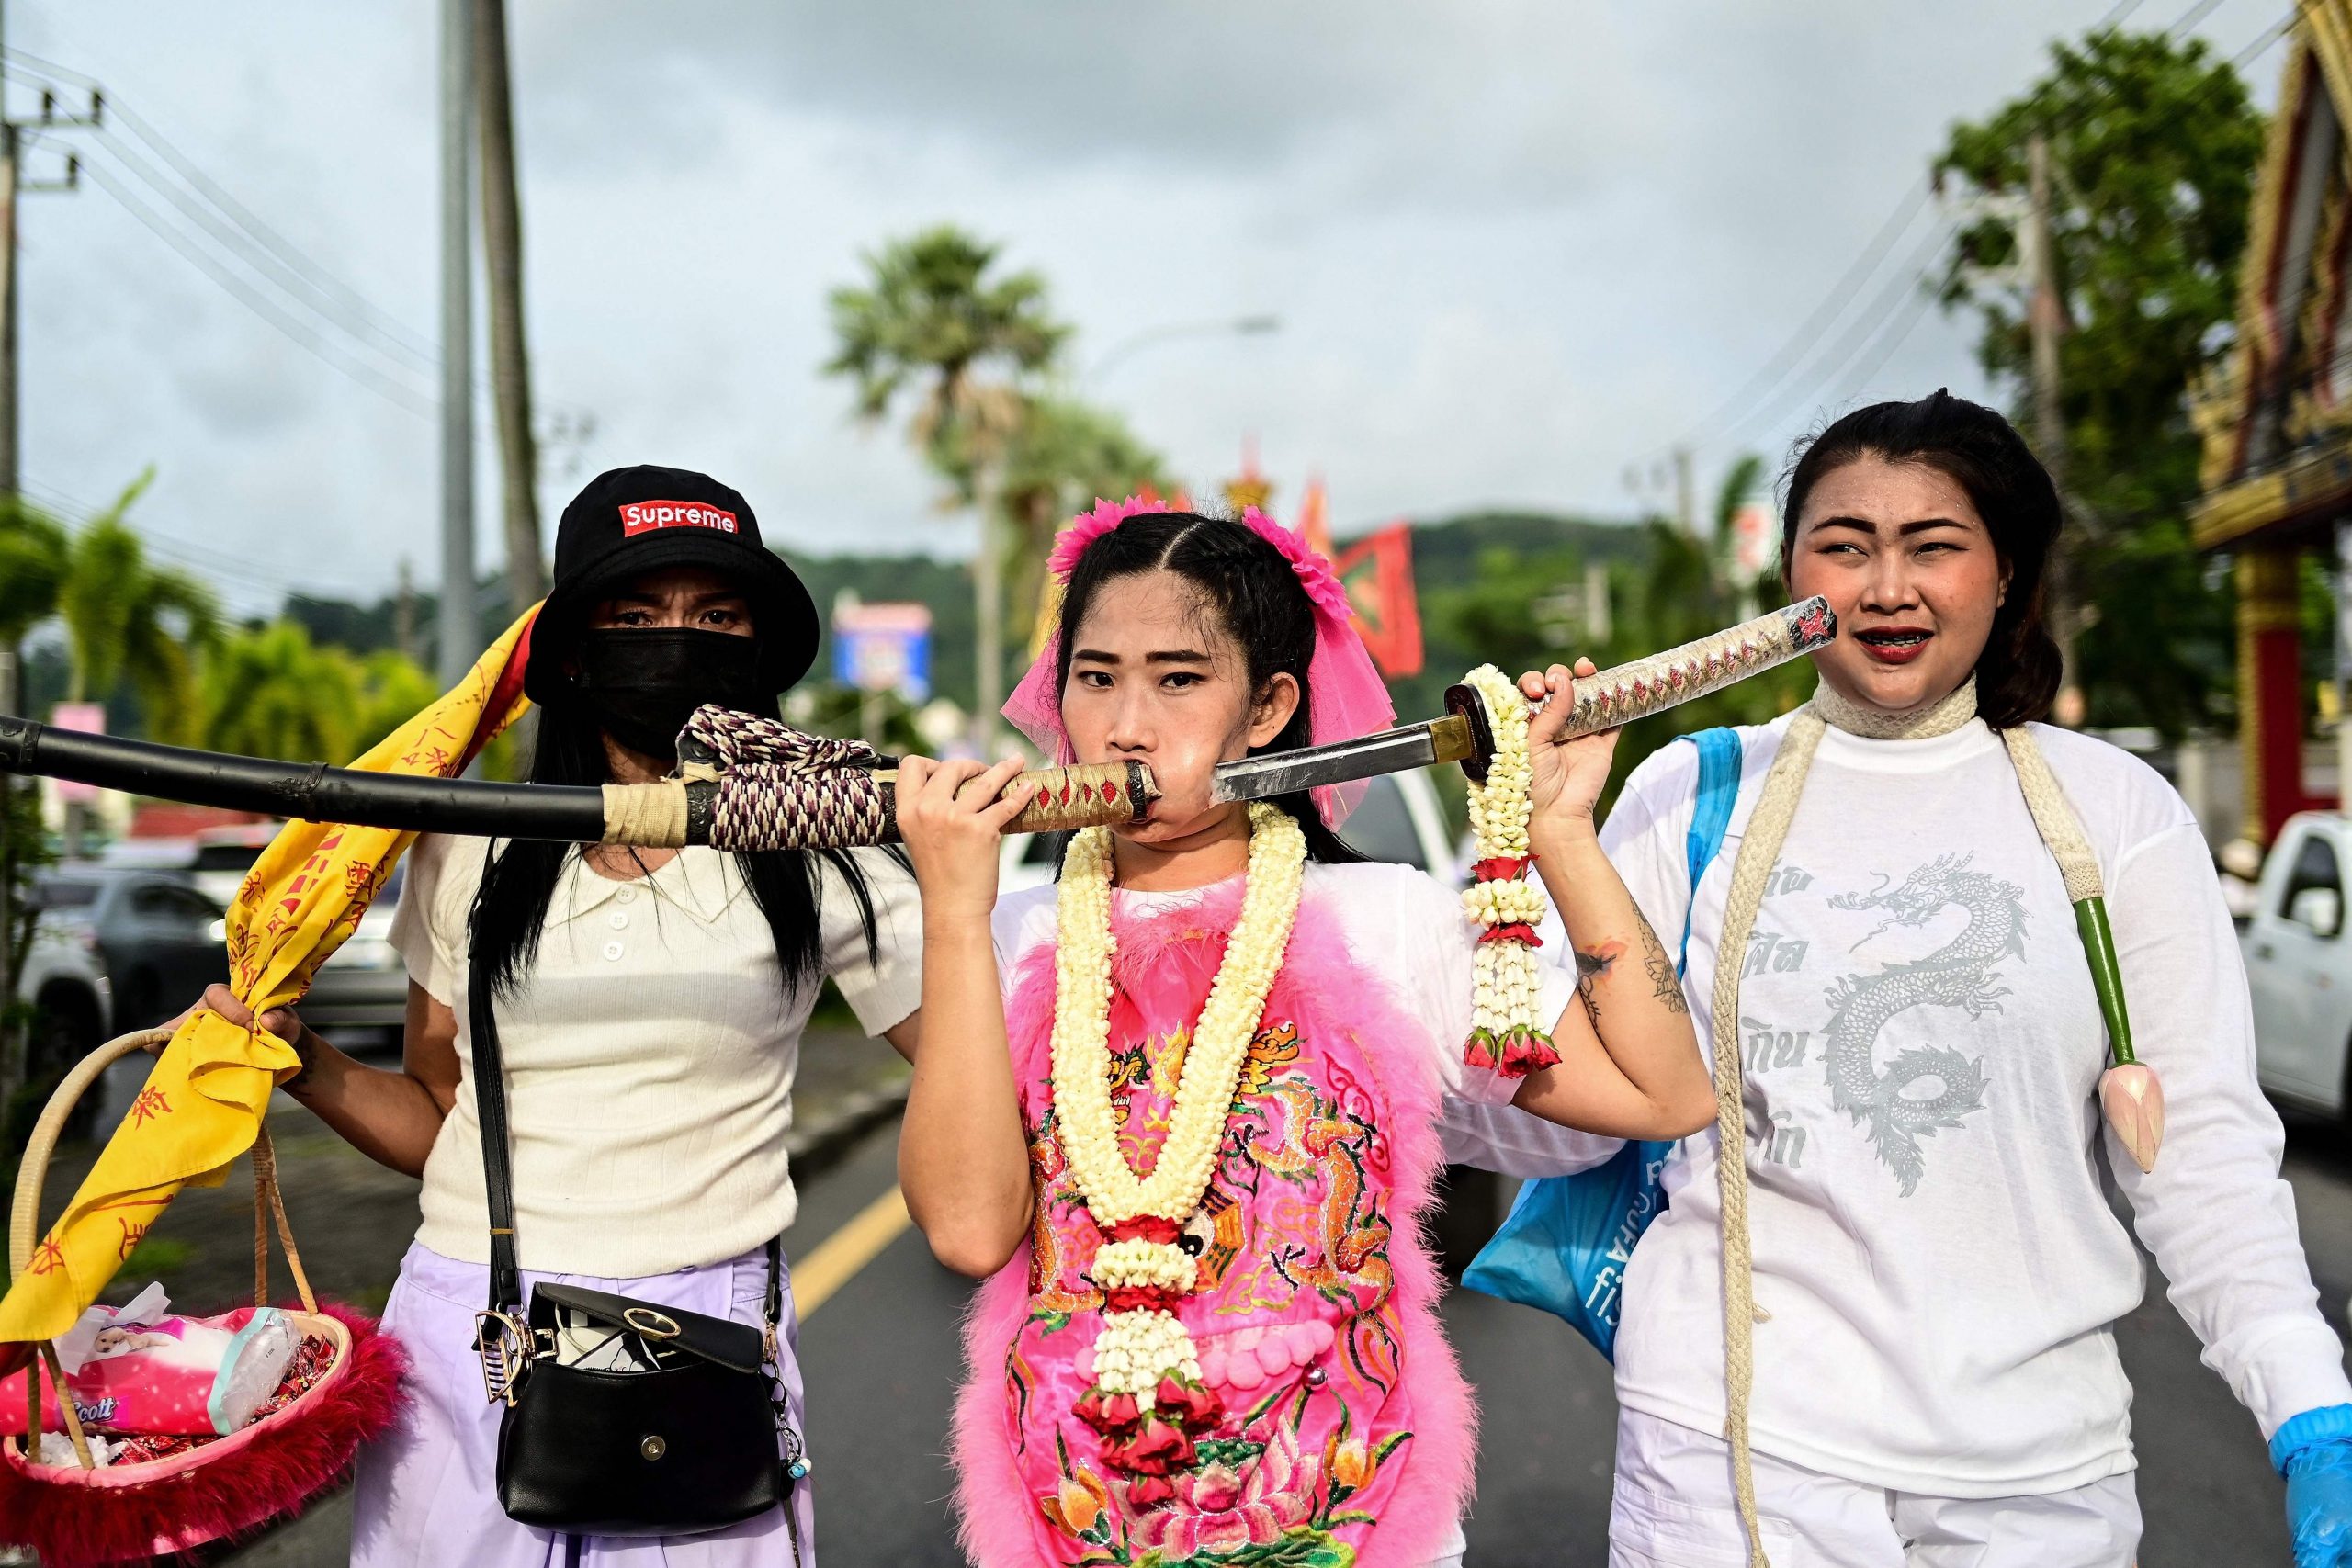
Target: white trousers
[[1674, 1508]]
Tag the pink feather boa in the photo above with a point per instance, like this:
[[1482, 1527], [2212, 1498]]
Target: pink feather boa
[[1330, 995]]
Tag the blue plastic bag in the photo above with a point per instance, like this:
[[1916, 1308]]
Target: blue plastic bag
[[1565, 1244]]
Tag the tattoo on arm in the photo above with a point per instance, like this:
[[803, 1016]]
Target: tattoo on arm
[[1592, 962], [1665, 985]]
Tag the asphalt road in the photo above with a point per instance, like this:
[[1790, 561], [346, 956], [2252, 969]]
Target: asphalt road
[[881, 1359]]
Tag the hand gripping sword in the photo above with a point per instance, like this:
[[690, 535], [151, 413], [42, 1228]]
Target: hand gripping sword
[[749, 782]]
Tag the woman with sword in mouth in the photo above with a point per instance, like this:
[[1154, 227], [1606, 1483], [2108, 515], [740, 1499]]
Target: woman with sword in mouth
[[1913, 1038], [1196, 1082]]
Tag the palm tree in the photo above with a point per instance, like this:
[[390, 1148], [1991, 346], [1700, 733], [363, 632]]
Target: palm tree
[[269, 692], [32, 561], [128, 619], [123, 617], [934, 319], [33, 548], [1064, 455], [1739, 483]]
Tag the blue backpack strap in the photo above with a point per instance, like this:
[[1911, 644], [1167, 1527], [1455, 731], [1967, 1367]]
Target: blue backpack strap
[[1720, 756]]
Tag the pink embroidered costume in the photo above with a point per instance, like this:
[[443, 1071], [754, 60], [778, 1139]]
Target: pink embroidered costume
[[1327, 1425]]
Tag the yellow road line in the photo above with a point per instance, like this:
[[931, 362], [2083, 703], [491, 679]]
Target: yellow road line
[[835, 1260]]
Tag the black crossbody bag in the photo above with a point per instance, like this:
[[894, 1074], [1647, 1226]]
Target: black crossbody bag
[[623, 1418]]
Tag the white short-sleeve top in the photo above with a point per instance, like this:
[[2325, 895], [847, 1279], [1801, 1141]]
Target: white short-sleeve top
[[1405, 929], [649, 1060]]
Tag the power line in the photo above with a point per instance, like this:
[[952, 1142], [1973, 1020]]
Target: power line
[[1833, 304], [299, 331], [228, 576], [261, 261], [252, 242], [2194, 13], [32, 67], [1888, 343], [1883, 310], [1911, 276]]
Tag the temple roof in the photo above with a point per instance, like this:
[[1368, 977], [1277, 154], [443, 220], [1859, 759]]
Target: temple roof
[[2276, 411]]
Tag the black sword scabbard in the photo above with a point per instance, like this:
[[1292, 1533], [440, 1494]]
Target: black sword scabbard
[[314, 792]]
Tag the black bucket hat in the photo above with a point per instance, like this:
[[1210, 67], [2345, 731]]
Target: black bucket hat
[[629, 521]]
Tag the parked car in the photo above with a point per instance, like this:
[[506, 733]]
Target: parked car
[[1398, 819], [2298, 964], [361, 991], [222, 856], [113, 950], [364, 985]]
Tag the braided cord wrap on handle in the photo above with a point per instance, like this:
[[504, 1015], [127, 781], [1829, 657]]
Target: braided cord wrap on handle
[[1085, 795], [749, 782], [761, 806], [1627, 692]]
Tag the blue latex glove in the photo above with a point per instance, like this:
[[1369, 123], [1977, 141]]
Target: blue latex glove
[[2313, 1451]]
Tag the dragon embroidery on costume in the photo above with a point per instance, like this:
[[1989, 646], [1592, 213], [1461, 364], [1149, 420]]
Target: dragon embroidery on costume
[[1960, 973]]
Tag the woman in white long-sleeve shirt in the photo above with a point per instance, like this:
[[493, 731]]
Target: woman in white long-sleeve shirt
[[1935, 1265]]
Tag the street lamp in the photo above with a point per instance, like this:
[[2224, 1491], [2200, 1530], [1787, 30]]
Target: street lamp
[[1235, 326]]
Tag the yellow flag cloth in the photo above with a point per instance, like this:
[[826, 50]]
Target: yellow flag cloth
[[203, 1102]]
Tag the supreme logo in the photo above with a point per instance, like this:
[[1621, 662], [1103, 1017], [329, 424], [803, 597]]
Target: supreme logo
[[638, 517]]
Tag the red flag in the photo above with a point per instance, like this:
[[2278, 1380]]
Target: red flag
[[1377, 572]]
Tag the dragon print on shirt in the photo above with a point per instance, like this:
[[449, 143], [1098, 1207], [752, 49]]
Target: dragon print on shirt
[[1960, 973]]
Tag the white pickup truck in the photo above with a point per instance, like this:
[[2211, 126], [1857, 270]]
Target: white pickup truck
[[2298, 964]]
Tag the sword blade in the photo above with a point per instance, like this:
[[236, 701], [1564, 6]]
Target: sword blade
[[1396, 751]]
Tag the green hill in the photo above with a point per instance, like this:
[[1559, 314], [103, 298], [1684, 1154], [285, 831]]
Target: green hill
[[1449, 555]]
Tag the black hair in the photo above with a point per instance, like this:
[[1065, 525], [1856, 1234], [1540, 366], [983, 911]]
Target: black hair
[[517, 887], [1257, 601], [2017, 673]]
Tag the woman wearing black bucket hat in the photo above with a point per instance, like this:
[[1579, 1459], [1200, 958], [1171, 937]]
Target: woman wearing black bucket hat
[[648, 1009]]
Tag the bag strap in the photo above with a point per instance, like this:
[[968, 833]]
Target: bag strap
[[490, 1110], [1720, 757], [497, 1150]]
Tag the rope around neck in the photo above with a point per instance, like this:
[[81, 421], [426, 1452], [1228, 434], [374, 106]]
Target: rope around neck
[[1760, 850], [1943, 715]]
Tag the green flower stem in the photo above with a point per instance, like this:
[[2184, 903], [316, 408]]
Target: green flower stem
[[2106, 977]]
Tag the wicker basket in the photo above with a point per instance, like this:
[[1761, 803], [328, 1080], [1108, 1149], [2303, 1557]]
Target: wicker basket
[[86, 1513]]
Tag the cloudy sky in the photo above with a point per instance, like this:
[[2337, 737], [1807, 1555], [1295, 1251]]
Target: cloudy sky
[[1516, 247]]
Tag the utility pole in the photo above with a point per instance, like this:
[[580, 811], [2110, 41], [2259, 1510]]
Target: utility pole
[[460, 622], [501, 240], [2046, 318], [1686, 503], [987, 594], [404, 615], [19, 815], [12, 185]]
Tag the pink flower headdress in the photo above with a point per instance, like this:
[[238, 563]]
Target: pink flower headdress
[[1346, 695]]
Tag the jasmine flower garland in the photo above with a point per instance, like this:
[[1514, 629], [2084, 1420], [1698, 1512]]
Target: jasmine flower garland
[[1147, 1399], [1506, 1033]]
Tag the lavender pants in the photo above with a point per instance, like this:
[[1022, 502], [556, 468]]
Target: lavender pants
[[427, 1496]]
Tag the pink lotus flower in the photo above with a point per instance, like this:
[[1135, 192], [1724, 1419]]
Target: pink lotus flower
[[1216, 1510], [2134, 1101]]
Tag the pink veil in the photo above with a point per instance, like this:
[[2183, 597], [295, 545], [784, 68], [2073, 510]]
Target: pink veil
[[1346, 697]]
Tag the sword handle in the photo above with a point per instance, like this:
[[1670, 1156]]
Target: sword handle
[[1083, 795], [1624, 693]]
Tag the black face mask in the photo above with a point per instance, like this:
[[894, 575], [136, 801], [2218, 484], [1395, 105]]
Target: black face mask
[[643, 684]]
